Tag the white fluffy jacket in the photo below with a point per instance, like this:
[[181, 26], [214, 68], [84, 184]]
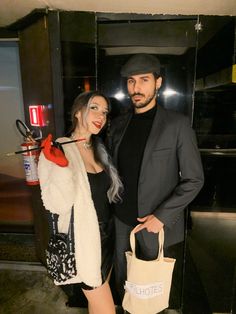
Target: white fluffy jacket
[[62, 187]]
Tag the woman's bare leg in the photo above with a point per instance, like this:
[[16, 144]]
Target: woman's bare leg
[[100, 300]]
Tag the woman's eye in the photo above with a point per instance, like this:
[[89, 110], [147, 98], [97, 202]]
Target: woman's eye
[[93, 107], [97, 108]]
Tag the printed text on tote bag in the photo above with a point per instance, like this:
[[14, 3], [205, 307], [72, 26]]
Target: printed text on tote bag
[[145, 291]]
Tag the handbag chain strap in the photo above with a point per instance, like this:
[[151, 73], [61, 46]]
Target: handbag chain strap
[[70, 229]]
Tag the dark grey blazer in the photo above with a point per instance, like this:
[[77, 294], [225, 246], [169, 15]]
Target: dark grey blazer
[[171, 173]]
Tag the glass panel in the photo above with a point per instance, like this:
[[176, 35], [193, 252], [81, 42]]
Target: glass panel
[[78, 38], [212, 252], [15, 205], [215, 113]]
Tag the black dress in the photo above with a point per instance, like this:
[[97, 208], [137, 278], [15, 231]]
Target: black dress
[[99, 184]]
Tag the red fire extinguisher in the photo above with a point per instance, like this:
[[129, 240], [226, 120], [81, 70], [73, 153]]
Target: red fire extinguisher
[[30, 159], [30, 150], [31, 154]]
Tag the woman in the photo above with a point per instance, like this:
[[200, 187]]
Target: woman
[[87, 180]]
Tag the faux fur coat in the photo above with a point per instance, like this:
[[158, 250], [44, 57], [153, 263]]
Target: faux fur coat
[[62, 187]]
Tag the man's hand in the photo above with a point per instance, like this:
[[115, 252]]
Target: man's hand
[[151, 223]]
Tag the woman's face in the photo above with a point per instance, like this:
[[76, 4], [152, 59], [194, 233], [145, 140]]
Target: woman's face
[[93, 118]]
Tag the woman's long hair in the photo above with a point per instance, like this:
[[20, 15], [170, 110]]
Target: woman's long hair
[[100, 153]]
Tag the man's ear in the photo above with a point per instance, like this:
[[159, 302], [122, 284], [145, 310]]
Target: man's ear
[[158, 82]]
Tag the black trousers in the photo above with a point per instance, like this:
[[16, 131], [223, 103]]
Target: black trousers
[[123, 244]]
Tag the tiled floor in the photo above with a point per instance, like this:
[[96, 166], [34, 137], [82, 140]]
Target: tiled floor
[[26, 289]]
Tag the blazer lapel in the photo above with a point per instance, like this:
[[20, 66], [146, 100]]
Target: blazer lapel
[[121, 131], [157, 127]]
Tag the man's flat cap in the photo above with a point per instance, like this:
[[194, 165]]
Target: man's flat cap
[[140, 63]]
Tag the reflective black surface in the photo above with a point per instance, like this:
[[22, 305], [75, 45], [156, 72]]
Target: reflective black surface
[[210, 264], [211, 253], [214, 116], [78, 53], [172, 40]]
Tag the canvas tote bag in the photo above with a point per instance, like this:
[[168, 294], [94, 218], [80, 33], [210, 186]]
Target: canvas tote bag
[[147, 288]]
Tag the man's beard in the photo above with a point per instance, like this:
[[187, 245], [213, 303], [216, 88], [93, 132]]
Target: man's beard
[[146, 101]]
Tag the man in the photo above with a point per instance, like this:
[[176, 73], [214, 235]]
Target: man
[[156, 154]]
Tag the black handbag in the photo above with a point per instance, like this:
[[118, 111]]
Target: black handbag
[[60, 252]]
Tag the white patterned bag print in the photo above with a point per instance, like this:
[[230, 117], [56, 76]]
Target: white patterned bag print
[[60, 254]]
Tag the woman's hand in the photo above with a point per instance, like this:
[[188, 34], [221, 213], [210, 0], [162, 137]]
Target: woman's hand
[[53, 153]]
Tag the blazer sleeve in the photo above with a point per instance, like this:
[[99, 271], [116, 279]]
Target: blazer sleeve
[[191, 176], [57, 186]]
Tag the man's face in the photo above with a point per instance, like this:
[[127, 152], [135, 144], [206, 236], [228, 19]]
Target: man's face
[[142, 91]]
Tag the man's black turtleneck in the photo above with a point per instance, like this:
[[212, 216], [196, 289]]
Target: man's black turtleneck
[[130, 157]]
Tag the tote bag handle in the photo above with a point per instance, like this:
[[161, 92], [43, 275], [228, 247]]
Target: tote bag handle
[[160, 237]]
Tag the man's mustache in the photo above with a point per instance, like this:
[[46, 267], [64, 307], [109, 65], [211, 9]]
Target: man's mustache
[[136, 94]]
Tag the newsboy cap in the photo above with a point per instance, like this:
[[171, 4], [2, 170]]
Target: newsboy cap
[[140, 63]]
